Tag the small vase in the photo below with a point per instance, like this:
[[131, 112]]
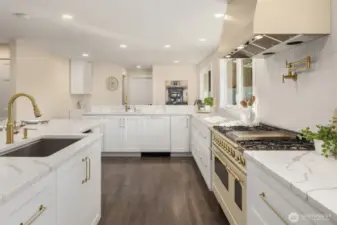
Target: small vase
[[318, 148], [207, 108]]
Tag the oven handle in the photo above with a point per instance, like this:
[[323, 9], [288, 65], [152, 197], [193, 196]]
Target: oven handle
[[263, 197], [216, 152]]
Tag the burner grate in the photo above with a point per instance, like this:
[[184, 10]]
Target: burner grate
[[292, 145]]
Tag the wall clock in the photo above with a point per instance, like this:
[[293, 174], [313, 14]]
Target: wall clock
[[112, 83]]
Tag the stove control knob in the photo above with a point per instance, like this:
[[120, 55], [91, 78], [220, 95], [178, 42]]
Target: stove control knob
[[243, 161], [233, 153], [238, 158]]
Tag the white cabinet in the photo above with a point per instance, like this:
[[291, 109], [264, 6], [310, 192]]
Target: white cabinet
[[78, 188], [180, 133], [80, 77], [122, 134], [132, 133], [37, 202], [200, 148], [271, 202], [156, 134], [113, 134]]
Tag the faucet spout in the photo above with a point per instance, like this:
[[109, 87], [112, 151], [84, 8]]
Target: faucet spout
[[10, 125]]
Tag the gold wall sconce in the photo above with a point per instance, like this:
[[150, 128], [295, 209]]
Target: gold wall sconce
[[297, 65]]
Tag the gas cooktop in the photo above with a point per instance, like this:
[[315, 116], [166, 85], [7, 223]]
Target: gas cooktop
[[294, 145]]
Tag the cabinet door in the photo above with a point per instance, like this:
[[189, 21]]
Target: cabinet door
[[113, 134], [180, 130], [157, 134], [93, 186], [71, 199], [132, 133]]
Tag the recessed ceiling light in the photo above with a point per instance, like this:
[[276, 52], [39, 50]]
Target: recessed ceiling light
[[167, 46], [241, 47], [176, 61], [219, 15], [202, 39], [84, 54], [67, 17], [123, 46], [139, 67], [21, 15], [258, 37], [228, 56]]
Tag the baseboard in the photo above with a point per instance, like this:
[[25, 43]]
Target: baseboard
[[181, 154], [121, 154]]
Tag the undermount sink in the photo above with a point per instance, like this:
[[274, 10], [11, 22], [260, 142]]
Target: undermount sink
[[42, 148]]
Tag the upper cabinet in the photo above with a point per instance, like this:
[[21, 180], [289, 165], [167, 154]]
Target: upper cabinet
[[80, 77]]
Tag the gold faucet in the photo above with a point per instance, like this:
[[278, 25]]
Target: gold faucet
[[292, 70], [127, 107], [291, 75], [10, 125]]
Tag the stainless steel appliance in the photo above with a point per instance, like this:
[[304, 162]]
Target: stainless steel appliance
[[229, 173]]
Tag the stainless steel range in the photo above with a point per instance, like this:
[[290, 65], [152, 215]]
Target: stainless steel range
[[229, 172]]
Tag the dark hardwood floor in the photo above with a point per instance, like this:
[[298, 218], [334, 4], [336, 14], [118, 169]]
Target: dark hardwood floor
[[156, 191]]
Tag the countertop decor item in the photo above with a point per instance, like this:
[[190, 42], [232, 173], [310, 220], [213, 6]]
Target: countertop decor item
[[112, 83], [293, 66], [209, 101], [326, 134]]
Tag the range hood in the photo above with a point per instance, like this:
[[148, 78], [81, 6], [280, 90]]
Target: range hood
[[259, 28]]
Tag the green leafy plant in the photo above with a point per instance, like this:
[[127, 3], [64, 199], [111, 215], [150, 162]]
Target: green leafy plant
[[209, 101], [327, 134]]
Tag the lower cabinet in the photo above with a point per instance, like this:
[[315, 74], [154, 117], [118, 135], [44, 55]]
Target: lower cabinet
[[37, 203], [156, 134], [271, 202], [79, 189], [180, 134], [137, 134]]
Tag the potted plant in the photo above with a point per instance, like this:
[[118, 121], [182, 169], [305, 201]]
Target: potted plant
[[209, 103], [325, 138]]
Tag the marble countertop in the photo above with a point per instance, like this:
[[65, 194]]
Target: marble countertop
[[16, 173], [306, 173], [203, 117]]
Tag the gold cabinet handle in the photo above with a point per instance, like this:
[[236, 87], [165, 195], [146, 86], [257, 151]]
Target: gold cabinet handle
[[89, 170], [86, 170], [263, 197], [35, 216], [233, 174]]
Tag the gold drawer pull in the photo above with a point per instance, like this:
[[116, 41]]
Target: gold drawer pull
[[89, 172], [263, 197], [35, 216], [86, 170]]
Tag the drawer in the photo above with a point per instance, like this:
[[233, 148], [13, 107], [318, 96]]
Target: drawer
[[270, 202], [36, 205]]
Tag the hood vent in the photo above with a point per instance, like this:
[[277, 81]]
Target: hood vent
[[261, 31]]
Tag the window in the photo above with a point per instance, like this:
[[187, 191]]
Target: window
[[247, 78], [236, 81]]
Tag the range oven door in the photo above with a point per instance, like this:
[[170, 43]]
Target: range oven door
[[229, 187]]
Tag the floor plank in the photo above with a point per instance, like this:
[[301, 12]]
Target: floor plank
[[156, 191]]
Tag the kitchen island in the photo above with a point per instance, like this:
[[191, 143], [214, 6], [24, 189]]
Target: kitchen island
[[301, 186], [53, 189]]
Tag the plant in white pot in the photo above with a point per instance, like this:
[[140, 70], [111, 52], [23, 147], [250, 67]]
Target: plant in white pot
[[325, 138], [209, 103]]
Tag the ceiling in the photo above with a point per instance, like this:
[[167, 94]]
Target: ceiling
[[100, 26]]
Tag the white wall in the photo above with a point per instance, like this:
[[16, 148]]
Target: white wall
[[309, 101], [163, 73], [42, 75], [100, 94], [4, 77]]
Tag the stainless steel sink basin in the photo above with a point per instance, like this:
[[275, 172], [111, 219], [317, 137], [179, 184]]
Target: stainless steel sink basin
[[41, 148]]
